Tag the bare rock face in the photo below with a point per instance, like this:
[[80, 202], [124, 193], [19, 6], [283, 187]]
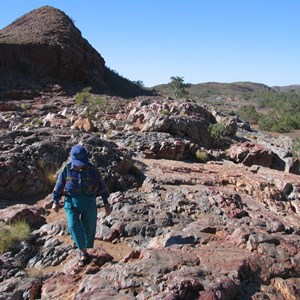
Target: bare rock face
[[43, 48]]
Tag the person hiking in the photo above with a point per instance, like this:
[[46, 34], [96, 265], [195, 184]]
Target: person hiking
[[80, 182]]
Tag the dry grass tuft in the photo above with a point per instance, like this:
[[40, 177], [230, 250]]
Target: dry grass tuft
[[10, 234]]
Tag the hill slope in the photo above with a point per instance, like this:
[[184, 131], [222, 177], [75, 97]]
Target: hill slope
[[43, 51]]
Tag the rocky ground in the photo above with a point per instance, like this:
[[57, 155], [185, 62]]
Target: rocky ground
[[180, 228]]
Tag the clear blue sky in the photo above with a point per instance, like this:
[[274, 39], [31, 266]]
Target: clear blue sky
[[199, 40]]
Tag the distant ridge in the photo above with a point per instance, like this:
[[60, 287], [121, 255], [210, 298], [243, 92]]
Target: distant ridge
[[207, 89], [287, 88], [234, 87]]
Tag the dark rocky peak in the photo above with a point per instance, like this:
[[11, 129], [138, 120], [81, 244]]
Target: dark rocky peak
[[42, 25], [43, 49]]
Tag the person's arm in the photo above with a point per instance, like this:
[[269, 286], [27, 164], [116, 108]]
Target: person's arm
[[59, 189], [104, 193]]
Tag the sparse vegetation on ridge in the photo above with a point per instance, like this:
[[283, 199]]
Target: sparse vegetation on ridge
[[123, 86], [93, 103], [207, 90]]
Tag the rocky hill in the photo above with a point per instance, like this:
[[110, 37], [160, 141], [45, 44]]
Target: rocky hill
[[43, 52]]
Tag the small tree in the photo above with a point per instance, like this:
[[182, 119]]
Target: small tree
[[178, 86]]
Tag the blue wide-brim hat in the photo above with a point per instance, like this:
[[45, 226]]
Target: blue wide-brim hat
[[79, 156]]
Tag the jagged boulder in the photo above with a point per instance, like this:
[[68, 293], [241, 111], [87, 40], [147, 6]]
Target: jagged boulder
[[250, 154], [180, 119]]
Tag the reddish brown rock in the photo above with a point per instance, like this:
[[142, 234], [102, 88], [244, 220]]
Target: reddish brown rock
[[84, 124], [14, 288], [250, 154], [22, 212], [9, 106], [100, 256], [107, 294], [60, 286]]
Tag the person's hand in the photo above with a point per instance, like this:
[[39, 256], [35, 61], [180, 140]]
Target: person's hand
[[55, 206], [107, 209]]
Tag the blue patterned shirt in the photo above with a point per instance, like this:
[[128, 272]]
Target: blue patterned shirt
[[87, 181]]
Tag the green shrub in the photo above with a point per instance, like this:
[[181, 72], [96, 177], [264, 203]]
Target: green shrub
[[285, 114], [202, 156], [37, 122], [83, 96], [50, 170], [267, 122], [218, 131], [51, 175], [10, 234], [132, 144]]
